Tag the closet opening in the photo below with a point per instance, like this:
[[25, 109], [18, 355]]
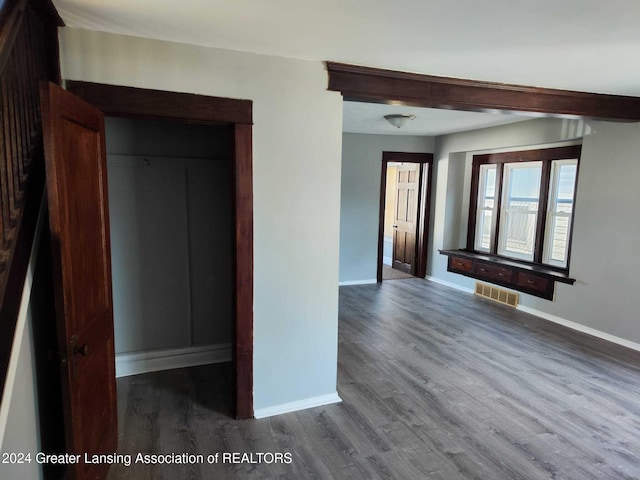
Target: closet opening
[[171, 212]]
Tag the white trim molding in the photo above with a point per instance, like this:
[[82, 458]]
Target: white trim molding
[[358, 282], [581, 328], [21, 325], [558, 320], [450, 284], [156, 360], [297, 405]]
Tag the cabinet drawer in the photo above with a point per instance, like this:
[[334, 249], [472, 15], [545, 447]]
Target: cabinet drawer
[[460, 264], [493, 272], [532, 282]]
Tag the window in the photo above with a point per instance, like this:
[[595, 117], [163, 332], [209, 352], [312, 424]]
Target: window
[[486, 207], [522, 204], [519, 213], [560, 212]]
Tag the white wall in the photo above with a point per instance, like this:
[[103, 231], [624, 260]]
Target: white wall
[[171, 220], [125, 136], [19, 412], [172, 248], [296, 154], [360, 198], [606, 236], [22, 426], [603, 262]]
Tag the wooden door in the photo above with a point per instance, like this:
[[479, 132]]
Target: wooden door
[[405, 220], [79, 221]]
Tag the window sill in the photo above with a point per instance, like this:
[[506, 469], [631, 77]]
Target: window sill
[[535, 280]]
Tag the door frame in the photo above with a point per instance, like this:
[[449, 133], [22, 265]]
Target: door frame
[[424, 207], [139, 103]]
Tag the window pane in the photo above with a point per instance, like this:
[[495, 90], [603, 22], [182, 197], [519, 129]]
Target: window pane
[[520, 233], [561, 192], [565, 185], [485, 207], [483, 240], [559, 238], [566, 179], [490, 183], [521, 187]]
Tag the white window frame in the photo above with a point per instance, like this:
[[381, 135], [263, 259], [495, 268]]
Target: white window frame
[[547, 248], [482, 185], [504, 211]]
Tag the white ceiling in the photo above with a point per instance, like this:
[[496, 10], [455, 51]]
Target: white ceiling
[[589, 45], [361, 117]]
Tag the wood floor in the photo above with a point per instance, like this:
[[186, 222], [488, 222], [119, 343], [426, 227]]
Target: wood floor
[[436, 384]]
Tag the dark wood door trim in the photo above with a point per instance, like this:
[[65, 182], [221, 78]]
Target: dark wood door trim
[[131, 102], [376, 85], [424, 207], [203, 110], [243, 329]]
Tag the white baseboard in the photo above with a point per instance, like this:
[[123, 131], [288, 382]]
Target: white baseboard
[[450, 284], [156, 360], [581, 328], [297, 405], [358, 282], [560, 321]]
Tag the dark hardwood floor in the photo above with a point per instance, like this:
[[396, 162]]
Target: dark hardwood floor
[[435, 384]]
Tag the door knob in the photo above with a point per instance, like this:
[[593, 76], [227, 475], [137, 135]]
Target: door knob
[[395, 226], [83, 350]]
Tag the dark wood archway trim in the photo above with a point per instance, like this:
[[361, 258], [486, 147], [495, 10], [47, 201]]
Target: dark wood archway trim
[[199, 109], [133, 102], [376, 85], [424, 207]]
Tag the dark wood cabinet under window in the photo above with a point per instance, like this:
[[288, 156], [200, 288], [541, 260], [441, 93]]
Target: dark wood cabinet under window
[[532, 279]]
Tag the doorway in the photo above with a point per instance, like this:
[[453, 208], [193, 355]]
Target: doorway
[[405, 193], [213, 112], [171, 224]]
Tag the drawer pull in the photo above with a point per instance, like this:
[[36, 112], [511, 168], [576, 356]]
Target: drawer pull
[[532, 282], [460, 264], [501, 274], [483, 269]]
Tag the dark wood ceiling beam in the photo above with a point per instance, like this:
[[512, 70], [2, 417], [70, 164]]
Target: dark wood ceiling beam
[[385, 86]]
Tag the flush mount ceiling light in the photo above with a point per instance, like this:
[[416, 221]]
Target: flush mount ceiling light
[[399, 120]]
